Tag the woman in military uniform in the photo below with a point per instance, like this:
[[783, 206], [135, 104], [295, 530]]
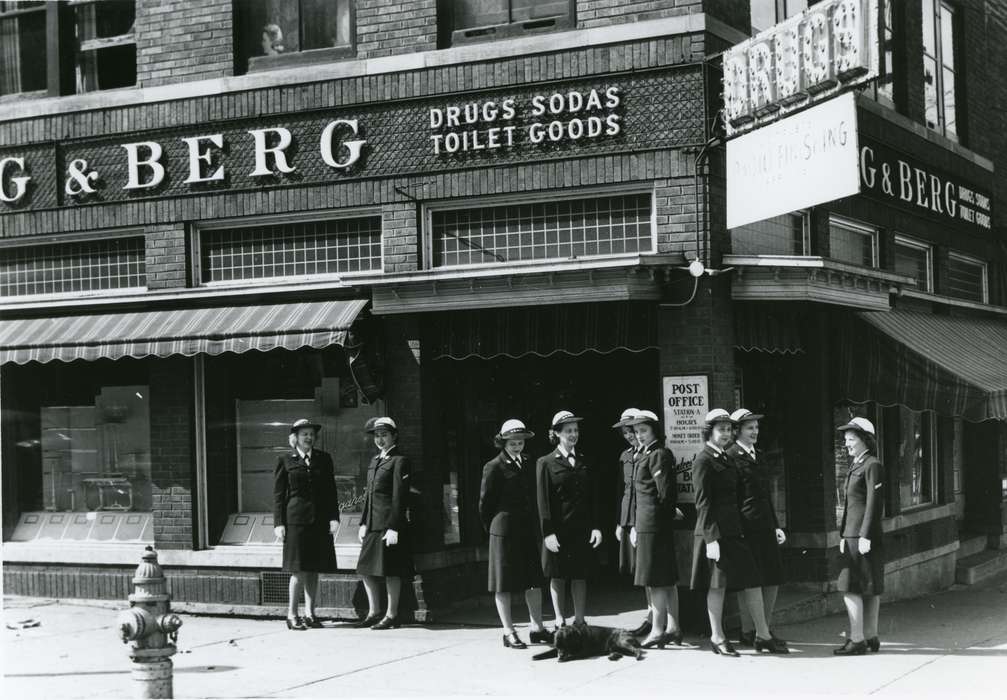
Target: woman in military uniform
[[385, 555], [627, 509], [507, 509], [568, 515], [721, 558], [862, 577], [305, 518]]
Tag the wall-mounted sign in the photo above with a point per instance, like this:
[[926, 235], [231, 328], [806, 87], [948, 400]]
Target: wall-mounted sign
[[807, 58], [686, 403], [921, 188], [655, 109], [808, 158]]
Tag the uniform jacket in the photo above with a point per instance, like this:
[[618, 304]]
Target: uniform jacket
[[387, 493], [716, 481], [302, 494], [567, 494], [656, 489], [627, 512], [757, 510], [864, 503], [507, 496]]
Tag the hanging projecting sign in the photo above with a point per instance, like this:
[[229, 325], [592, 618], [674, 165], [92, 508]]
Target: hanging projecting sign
[[686, 403], [806, 159], [809, 57]]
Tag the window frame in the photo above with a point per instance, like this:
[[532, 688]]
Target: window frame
[[985, 278], [939, 59], [196, 258], [533, 198], [910, 242], [258, 64], [805, 216], [856, 227], [30, 94], [449, 37], [934, 466]]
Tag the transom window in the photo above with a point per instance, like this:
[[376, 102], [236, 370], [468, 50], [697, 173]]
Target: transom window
[[940, 20], [63, 268], [274, 33], [966, 278], [786, 234], [335, 246], [853, 242], [463, 21], [914, 259], [576, 228]]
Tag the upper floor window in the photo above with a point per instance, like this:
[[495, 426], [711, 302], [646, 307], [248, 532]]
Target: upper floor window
[[73, 267], [462, 21], [940, 70], [914, 259], [966, 278], [22, 47], [883, 87], [786, 234], [275, 33], [767, 13], [853, 242]]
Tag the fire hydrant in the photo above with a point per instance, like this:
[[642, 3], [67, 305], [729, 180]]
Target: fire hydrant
[[152, 629]]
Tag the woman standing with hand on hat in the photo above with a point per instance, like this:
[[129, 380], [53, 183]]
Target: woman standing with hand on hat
[[507, 509], [627, 510], [306, 519], [721, 559], [384, 550], [758, 517], [862, 577], [568, 515], [652, 535]]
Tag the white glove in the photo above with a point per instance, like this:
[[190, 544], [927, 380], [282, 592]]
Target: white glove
[[713, 551], [618, 533], [864, 545], [842, 545], [595, 538], [391, 537], [679, 515], [632, 536], [361, 532], [781, 536], [552, 543], [280, 531], [334, 527]]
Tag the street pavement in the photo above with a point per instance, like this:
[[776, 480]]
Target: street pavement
[[950, 645]]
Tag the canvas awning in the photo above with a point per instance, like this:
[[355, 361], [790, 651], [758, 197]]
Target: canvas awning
[[955, 366], [187, 332]]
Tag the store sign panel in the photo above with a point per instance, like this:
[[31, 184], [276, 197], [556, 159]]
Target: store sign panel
[[686, 403], [803, 160], [805, 59], [658, 109], [923, 189]]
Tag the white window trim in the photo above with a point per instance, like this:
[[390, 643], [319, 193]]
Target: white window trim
[[196, 258], [857, 227], [909, 242], [982, 265], [534, 198]]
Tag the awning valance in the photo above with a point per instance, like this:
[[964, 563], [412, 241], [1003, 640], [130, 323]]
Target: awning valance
[[188, 332], [768, 327], [955, 366]]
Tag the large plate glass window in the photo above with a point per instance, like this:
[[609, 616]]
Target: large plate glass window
[[914, 259], [915, 457], [275, 33], [966, 278], [853, 242]]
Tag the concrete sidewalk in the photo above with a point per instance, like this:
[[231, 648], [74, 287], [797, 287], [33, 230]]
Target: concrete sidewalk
[[952, 644]]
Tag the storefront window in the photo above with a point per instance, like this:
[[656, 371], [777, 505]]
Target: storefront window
[[913, 259], [785, 234], [852, 242], [966, 278], [573, 228], [269, 29], [64, 268], [916, 459]]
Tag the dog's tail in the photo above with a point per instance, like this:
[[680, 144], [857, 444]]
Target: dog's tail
[[547, 654]]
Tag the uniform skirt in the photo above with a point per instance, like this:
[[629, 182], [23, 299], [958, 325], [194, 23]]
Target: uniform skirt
[[378, 559], [627, 554], [766, 552], [309, 548], [736, 569], [575, 559], [515, 563], [656, 564], [862, 573]]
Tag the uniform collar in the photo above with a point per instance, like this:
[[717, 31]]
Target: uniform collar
[[717, 452], [646, 450], [859, 459], [384, 453], [303, 455], [747, 450], [511, 460], [563, 453]]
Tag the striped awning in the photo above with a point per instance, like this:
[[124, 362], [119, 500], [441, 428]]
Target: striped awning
[[188, 332], [955, 366]]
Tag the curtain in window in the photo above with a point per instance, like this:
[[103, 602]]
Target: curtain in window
[[10, 60]]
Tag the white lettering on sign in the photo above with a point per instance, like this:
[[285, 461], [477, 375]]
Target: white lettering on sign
[[19, 182], [686, 403], [559, 117], [152, 162], [353, 147], [806, 58], [197, 156]]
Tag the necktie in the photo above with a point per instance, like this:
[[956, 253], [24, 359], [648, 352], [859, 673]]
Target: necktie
[[572, 458], [307, 459]]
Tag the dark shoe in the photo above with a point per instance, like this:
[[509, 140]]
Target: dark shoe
[[874, 644], [851, 648], [387, 623], [723, 648], [312, 622], [643, 630], [512, 641], [658, 642], [779, 641], [295, 623], [542, 636], [747, 639], [773, 646], [368, 621]]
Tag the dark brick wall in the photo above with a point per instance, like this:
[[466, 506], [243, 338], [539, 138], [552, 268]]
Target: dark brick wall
[[171, 447], [400, 27], [180, 40]]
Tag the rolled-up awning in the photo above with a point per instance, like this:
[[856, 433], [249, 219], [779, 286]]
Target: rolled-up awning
[[188, 332], [955, 366]]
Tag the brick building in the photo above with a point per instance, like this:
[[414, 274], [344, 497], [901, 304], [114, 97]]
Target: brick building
[[217, 217]]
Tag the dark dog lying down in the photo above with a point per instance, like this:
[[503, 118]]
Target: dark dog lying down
[[585, 641]]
